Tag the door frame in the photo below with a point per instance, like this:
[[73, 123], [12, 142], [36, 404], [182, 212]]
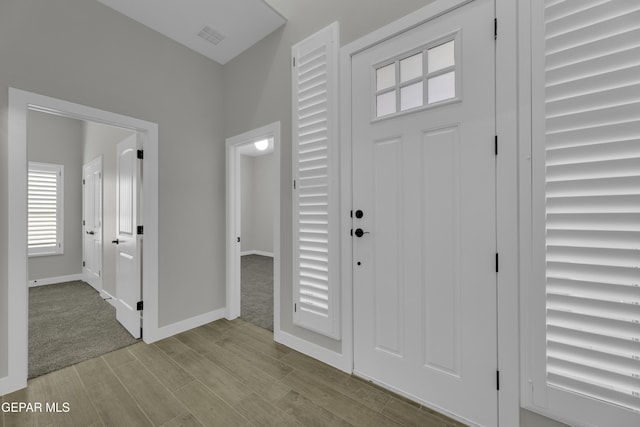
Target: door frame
[[20, 102], [507, 108], [97, 160], [234, 212]]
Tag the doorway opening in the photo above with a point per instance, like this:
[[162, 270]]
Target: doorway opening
[[71, 222], [21, 103], [253, 226]]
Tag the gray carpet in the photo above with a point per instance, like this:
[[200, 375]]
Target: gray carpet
[[68, 323], [257, 290]]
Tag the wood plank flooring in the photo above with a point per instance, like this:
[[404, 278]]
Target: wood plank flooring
[[220, 374]]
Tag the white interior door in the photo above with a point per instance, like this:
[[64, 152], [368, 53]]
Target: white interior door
[[128, 242], [92, 223], [424, 213]]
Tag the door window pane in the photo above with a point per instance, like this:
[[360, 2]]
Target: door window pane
[[386, 77], [386, 104], [411, 96], [440, 57], [411, 67], [441, 88]]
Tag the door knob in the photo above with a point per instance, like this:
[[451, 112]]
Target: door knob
[[117, 241], [360, 232]]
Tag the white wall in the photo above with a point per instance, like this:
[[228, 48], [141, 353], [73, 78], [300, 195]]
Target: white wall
[[101, 140], [84, 52], [257, 203], [55, 139]]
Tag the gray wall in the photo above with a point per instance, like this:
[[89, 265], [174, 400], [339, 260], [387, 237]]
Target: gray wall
[[4, 222], [101, 140], [257, 202], [246, 196], [55, 139], [257, 91], [84, 52]]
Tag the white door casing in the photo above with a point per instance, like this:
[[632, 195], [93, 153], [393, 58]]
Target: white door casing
[[92, 223], [425, 274], [128, 242]]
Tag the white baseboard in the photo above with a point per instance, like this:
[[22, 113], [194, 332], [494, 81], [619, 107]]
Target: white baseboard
[[255, 252], [11, 383], [108, 297], [54, 280], [184, 325], [337, 360]]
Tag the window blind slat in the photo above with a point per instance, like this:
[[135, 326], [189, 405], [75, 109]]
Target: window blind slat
[[568, 46], [592, 188], [316, 195], [581, 17], [594, 67], [44, 205]]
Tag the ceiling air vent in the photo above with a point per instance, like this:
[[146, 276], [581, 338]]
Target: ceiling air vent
[[211, 35]]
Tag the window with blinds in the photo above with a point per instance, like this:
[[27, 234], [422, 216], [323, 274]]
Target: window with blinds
[[44, 210], [592, 193], [315, 189]]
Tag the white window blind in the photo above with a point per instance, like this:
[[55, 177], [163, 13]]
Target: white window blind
[[592, 194], [315, 174], [45, 189]]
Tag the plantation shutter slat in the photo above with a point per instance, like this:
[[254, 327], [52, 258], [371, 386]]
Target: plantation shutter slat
[[315, 170], [593, 200], [44, 209]]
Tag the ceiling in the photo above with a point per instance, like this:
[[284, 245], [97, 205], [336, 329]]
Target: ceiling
[[240, 23]]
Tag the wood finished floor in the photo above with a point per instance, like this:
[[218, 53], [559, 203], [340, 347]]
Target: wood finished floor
[[220, 374]]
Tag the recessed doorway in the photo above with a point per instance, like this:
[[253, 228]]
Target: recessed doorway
[[253, 226], [20, 103]]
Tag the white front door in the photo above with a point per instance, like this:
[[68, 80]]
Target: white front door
[[424, 213], [92, 223], [128, 242]]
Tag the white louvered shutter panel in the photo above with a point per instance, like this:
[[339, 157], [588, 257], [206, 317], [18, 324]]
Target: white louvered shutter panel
[[44, 236], [592, 149], [315, 174]]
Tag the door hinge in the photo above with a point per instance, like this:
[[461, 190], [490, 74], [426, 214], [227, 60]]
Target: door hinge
[[84, 264], [139, 306], [99, 273], [84, 182], [495, 28], [294, 61], [498, 380], [140, 229], [83, 222], [496, 145], [295, 307], [140, 154], [294, 184], [238, 239], [496, 262]]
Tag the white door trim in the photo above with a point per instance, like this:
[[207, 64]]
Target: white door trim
[[19, 103], [507, 108], [233, 218]]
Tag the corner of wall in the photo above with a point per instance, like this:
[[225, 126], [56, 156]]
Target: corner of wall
[[4, 332]]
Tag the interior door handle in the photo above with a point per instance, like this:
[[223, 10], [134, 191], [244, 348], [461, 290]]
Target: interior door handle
[[360, 232], [91, 232], [117, 242]]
